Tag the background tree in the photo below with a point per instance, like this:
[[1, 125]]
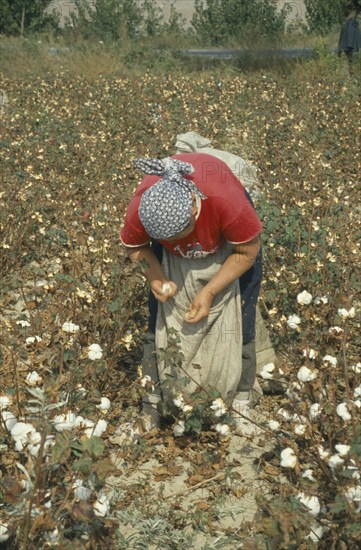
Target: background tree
[[221, 22], [324, 15], [19, 17], [109, 20]]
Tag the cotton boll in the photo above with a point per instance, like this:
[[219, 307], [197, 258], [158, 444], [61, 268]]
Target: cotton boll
[[343, 412], [81, 422], [304, 298], [314, 411], [222, 429], [219, 407], [97, 430], [34, 439], [5, 402], [4, 532], [308, 474], [64, 422], [356, 393], [284, 414], [293, 321], [187, 408], [342, 450], [33, 449], [179, 428], [95, 352], [274, 425], [81, 492], [51, 537], [334, 461], [354, 495], [22, 431], [330, 359], [335, 331], [322, 452], [356, 368], [104, 404], [347, 314], [70, 328], [306, 375], [291, 392], [321, 300], [9, 419], [100, 428], [22, 434], [101, 506], [357, 403], [311, 502], [300, 429], [267, 370], [23, 324], [316, 533], [33, 379], [167, 289], [310, 353], [32, 340], [288, 458], [178, 401]]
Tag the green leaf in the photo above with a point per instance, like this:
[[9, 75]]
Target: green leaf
[[338, 505], [82, 465], [61, 450], [94, 445], [114, 306], [194, 423]]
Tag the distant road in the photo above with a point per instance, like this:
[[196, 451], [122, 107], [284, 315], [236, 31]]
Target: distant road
[[287, 53]]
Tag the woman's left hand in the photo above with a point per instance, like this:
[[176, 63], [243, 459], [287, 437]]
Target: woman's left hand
[[199, 308]]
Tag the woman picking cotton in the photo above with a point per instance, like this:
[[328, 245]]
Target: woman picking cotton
[[195, 227]]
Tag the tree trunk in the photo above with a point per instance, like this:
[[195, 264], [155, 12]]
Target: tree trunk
[[22, 24]]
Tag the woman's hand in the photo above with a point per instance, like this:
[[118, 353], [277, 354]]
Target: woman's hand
[[163, 289], [200, 307]]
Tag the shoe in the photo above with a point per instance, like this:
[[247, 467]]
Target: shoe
[[245, 419], [256, 393], [149, 417], [131, 432]]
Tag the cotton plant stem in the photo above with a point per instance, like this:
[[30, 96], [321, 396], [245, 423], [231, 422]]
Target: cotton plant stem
[[36, 486], [230, 408], [348, 391]]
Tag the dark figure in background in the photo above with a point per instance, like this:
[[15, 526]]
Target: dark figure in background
[[350, 37]]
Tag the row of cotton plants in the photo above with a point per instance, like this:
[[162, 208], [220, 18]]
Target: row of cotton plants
[[318, 427], [42, 437]]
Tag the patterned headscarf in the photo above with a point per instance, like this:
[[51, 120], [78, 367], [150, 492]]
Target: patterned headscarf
[[165, 208]]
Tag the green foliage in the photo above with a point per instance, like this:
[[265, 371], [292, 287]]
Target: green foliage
[[221, 22], [19, 17], [115, 21], [324, 15], [108, 20]]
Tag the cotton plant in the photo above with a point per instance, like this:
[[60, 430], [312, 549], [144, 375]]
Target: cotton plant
[[304, 298], [267, 371], [95, 352], [198, 411], [288, 458]]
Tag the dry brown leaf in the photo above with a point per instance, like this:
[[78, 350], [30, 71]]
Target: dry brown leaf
[[43, 523]]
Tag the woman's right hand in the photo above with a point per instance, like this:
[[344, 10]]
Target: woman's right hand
[[163, 289]]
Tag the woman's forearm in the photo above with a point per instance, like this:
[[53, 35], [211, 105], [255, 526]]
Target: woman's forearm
[[239, 262], [153, 270]]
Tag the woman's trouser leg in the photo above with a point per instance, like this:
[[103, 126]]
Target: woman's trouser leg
[[250, 284], [149, 360]]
